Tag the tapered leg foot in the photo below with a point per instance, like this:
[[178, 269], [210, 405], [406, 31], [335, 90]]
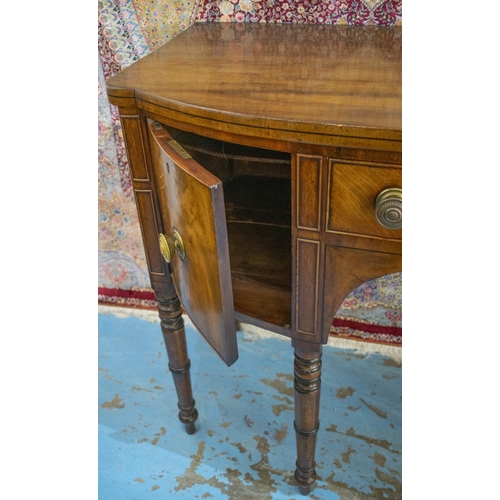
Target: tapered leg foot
[[172, 327], [305, 478], [188, 415], [190, 428], [307, 382], [305, 490]]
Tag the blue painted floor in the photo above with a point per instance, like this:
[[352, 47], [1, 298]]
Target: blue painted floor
[[244, 445]]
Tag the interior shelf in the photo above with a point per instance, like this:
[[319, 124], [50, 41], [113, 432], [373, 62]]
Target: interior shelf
[[260, 256]]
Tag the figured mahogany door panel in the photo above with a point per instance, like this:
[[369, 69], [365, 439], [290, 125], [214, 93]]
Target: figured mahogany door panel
[[352, 192], [192, 210], [347, 268]]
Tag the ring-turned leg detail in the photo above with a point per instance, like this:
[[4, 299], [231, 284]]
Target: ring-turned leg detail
[[307, 382], [172, 327]]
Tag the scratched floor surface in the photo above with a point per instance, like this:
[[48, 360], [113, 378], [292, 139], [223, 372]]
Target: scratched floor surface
[[244, 446]]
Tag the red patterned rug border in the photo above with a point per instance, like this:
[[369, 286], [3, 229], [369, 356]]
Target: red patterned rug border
[[365, 339], [140, 299], [367, 327]]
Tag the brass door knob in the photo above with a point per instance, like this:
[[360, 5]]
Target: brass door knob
[[178, 244], [389, 208], [168, 246]]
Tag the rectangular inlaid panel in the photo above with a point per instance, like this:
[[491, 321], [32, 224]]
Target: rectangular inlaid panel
[[308, 191], [352, 191], [136, 156], [307, 285], [150, 230]]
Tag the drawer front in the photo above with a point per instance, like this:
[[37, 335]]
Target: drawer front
[[352, 193]]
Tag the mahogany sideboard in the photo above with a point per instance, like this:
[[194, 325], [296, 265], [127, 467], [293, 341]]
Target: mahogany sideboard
[[267, 170]]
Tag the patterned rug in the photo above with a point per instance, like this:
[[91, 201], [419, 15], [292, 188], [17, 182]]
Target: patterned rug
[[303, 11], [131, 29]]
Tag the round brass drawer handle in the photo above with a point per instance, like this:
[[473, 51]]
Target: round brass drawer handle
[[389, 208]]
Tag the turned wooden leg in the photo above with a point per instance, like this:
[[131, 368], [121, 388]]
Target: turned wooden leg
[[172, 326], [307, 381], [151, 221]]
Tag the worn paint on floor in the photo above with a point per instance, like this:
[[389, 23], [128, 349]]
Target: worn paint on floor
[[244, 446]]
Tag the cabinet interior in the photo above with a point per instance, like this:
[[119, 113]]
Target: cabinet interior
[[257, 194]]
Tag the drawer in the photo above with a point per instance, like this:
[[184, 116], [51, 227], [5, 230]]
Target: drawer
[[352, 193]]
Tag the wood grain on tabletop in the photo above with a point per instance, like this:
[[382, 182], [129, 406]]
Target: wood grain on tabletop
[[293, 77]]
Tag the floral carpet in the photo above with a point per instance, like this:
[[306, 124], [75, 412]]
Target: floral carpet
[[131, 29]]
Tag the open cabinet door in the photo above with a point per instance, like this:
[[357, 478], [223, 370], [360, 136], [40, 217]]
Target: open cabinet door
[[195, 240]]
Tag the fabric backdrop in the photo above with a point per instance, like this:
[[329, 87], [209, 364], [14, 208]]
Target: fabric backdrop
[[131, 29]]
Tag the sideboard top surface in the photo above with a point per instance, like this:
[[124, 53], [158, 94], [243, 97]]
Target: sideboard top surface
[[321, 79]]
